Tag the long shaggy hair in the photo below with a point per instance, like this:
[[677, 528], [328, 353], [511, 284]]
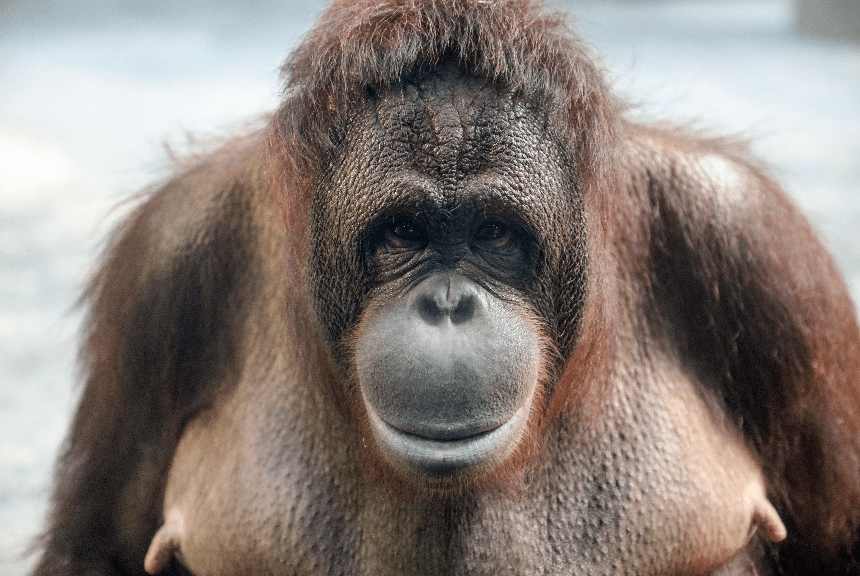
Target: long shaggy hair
[[359, 47]]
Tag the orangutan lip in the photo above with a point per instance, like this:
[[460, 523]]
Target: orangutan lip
[[443, 435], [444, 438], [443, 458]]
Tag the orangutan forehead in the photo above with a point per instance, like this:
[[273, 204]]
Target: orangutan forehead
[[449, 121]]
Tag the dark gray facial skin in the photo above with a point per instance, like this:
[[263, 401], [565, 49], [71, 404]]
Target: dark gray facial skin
[[447, 375], [447, 350]]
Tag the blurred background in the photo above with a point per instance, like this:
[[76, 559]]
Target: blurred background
[[93, 91]]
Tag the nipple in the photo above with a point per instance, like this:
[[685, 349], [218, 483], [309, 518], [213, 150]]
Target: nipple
[[164, 545], [766, 519]]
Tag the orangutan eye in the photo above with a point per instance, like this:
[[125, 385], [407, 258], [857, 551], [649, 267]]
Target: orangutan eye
[[405, 231], [493, 234], [402, 232]]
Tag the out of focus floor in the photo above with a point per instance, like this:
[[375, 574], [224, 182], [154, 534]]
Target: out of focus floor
[[89, 93]]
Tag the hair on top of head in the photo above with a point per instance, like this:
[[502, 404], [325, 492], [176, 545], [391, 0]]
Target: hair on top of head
[[517, 44]]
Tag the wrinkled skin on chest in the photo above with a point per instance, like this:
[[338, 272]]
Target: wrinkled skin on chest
[[652, 494]]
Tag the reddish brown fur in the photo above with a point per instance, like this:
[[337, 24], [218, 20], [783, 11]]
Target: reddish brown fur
[[749, 303], [514, 42], [777, 311]]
